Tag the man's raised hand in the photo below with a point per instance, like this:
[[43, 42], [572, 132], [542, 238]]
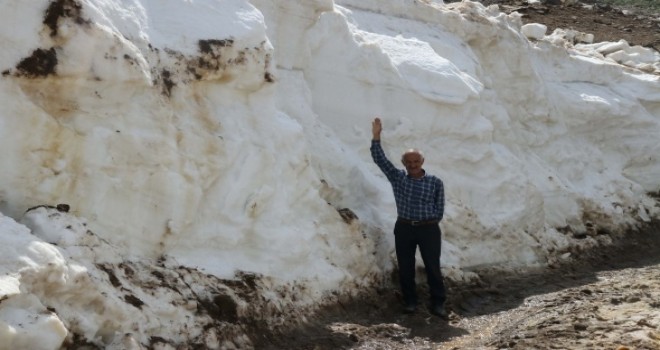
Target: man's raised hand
[[376, 128]]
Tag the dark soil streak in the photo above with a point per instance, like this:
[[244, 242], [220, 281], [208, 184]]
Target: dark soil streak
[[206, 46], [62, 9], [41, 63], [133, 300], [111, 275], [221, 308]]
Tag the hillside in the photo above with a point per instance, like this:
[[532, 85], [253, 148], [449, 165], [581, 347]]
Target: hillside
[[637, 26]]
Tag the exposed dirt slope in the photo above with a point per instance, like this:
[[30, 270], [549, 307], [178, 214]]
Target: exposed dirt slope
[[606, 23]]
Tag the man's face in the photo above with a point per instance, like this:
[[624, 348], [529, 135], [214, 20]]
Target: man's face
[[413, 162]]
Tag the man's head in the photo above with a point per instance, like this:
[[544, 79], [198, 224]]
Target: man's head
[[413, 160]]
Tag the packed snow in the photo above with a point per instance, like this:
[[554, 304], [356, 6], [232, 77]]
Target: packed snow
[[173, 168]]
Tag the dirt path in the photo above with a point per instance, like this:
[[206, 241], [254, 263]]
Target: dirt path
[[611, 301], [608, 300]]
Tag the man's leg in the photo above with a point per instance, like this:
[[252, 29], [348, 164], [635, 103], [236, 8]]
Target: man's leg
[[429, 246], [406, 245]]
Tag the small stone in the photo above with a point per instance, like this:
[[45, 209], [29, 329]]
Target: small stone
[[580, 327], [654, 335]]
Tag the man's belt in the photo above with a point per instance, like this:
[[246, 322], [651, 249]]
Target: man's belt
[[418, 222]]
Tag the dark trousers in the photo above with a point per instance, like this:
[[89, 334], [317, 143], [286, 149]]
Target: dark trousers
[[428, 237]]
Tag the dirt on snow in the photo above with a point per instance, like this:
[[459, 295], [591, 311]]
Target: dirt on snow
[[609, 298]]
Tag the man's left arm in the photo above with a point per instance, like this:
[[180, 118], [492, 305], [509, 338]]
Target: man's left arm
[[440, 198]]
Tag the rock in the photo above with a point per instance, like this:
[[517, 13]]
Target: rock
[[601, 21], [602, 7], [580, 327]]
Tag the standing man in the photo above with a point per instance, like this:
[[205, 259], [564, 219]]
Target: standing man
[[420, 201]]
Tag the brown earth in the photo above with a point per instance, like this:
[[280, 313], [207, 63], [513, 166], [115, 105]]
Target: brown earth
[[606, 23], [608, 299]]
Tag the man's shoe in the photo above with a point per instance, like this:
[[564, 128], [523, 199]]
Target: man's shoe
[[409, 309], [439, 311]]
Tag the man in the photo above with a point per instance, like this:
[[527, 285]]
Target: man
[[420, 202]]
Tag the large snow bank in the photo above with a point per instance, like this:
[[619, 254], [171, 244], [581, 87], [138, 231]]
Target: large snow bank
[[228, 141]]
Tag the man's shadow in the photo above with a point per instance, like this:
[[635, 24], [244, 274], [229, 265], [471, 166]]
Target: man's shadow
[[372, 318]]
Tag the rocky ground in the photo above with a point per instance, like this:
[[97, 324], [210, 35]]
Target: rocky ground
[[606, 23], [610, 299]]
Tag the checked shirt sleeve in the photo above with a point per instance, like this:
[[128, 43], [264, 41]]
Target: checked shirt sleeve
[[440, 198], [390, 171]]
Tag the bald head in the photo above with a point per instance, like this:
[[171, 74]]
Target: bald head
[[412, 152], [413, 160]]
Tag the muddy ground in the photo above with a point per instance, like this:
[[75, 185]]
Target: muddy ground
[[609, 299]]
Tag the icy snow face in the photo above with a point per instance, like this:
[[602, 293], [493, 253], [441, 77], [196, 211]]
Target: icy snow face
[[529, 137], [155, 120], [161, 131]]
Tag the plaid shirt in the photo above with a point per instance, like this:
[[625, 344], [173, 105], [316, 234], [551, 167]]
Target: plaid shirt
[[416, 199]]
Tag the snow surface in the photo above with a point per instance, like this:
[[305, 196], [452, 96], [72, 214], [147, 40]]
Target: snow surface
[[218, 150]]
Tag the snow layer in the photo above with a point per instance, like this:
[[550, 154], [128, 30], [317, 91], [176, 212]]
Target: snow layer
[[209, 144]]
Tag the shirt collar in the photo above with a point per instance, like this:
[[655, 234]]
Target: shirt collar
[[418, 178]]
